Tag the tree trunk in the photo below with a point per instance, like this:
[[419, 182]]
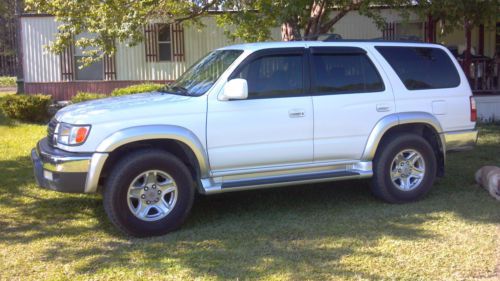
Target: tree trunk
[[467, 54], [311, 30], [290, 31]]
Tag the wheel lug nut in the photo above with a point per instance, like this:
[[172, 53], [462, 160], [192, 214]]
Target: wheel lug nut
[[154, 186], [146, 188], [159, 191], [149, 202], [143, 196]]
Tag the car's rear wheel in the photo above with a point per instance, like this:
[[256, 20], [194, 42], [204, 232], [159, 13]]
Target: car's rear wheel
[[404, 169], [149, 192]]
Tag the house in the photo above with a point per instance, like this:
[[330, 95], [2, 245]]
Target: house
[[168, 49]]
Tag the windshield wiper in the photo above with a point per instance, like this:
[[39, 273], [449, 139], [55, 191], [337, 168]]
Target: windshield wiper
[[176, 90]]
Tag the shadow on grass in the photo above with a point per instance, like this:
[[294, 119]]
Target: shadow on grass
[[251, 234]]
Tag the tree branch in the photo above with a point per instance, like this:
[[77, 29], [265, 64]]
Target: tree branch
[[329, 24], [204, 9]]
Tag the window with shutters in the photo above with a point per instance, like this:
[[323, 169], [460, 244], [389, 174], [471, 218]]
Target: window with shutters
[[164, 42]]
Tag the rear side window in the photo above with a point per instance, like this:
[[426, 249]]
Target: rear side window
[[337, 73], [421, 68]]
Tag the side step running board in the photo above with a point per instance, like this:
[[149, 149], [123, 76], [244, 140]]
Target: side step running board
[[287, 180]]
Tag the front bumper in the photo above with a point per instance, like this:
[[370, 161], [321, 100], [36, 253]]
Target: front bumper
[[59, 170], [460, 140]]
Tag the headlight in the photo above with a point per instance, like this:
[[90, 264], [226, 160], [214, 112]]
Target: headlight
[[68, 134]]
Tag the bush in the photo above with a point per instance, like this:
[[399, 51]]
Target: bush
[[6, 81], [84, 96], [136, 89], [29, 108]]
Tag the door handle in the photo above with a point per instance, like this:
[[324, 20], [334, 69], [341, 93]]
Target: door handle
[[296, 113], [382, 107]]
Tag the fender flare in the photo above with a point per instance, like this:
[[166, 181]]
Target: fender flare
[[395, 119], [142, 133]]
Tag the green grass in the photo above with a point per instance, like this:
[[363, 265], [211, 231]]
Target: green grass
[[6, 81], [331, 231]]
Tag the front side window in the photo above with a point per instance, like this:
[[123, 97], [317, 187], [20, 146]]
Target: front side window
[[421, 68], [200, 77], [273, 76], [164, 42], [344, 73]]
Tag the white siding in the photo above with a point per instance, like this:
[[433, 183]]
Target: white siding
[[131, 64], [39, 64], [488, 108]]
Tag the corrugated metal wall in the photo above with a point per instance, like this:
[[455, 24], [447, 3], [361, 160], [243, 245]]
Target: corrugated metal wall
[[131, 64], [39, 64]]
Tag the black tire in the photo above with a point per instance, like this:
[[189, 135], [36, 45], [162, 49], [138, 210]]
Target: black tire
[[126, 170], [382, 185]]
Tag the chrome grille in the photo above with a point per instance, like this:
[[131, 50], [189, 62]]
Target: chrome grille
[[51, 128]]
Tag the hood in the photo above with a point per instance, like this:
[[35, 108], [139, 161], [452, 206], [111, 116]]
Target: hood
[[121, 108]]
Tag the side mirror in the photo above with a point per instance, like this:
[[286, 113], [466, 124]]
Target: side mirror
[[235, 89]]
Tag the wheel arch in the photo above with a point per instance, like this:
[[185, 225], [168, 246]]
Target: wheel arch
[[180, 141], [421, 123]]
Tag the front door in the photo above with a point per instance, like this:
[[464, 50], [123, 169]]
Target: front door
[[274, 126]]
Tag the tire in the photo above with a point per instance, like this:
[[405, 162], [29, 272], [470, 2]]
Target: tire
[[138, 172], [402, 183]]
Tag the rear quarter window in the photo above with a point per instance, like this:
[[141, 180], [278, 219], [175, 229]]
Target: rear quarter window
[[421, 68]]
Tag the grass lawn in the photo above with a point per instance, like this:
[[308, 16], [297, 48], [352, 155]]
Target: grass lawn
[[328, 231]]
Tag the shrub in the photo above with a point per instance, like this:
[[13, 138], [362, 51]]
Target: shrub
[[84, 96], [6, 81], [136, 89], [30, 108]]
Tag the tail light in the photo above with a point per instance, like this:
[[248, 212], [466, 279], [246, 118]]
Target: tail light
[[473, 110]]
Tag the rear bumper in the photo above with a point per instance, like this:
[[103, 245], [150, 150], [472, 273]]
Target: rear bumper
[[460, 140], [59, 170]]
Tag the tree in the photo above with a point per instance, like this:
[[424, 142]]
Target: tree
[[112, 21], [7, 12], [299, 19], [251, 20]]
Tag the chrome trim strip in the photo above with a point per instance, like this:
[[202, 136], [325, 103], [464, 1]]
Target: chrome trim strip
[[141, 133], [94, 172], [277, 168], [392, 120], [460, 140]]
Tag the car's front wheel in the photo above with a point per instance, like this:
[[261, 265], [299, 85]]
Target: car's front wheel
[[404, 169], [149, 192]]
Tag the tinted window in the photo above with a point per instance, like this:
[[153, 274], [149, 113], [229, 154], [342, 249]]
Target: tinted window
[[422, 68], [95, 71], [164, 43], [344, 73], [273, 76]]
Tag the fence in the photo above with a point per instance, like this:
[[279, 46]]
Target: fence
[[484, 75]]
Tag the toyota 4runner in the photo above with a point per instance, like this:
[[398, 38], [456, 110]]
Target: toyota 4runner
[[265, 115]]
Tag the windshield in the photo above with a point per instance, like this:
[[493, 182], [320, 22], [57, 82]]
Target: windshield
[[200, 77]]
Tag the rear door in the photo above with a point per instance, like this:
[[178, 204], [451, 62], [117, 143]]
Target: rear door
[[349, 97]]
